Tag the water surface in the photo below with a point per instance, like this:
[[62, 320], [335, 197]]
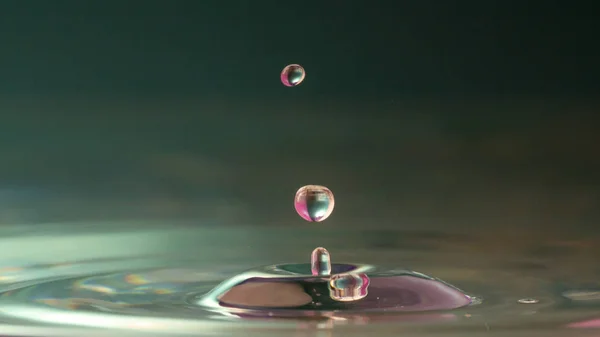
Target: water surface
[[139, 279]]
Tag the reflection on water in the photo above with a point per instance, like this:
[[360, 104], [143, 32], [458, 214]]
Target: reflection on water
[[125, 287]]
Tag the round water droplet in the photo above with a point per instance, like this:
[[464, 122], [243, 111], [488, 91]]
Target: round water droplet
[[292, 75], [314, 203], [320, 262], [348, 287]]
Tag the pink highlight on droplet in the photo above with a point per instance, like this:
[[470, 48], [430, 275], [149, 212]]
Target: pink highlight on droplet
[[320, 262], [357, 287], [301, 207], [285, 75], [301, 202]]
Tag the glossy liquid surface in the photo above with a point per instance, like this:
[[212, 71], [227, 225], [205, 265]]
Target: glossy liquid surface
[[133, 280]]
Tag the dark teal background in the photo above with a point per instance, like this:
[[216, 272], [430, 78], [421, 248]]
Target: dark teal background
[[463, 115]]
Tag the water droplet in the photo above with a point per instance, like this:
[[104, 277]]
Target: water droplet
[[292, 75], [320, 262], [314, 203], [528, 301], [348, 287]]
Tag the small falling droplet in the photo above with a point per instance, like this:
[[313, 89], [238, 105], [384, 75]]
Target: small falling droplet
[[292, 75], [348, 287], [320, 262], [314, 203], [528, 301]]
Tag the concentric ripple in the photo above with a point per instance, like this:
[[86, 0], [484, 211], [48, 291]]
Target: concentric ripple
[[186, 300], [212, 300]]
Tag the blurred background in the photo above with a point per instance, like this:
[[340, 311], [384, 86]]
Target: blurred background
[[419, 115]]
